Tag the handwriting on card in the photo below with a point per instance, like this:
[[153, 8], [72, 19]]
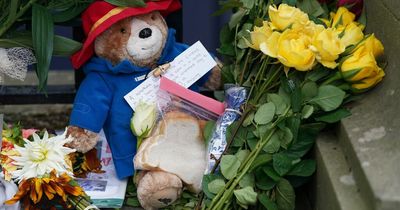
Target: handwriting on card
[[185, 70]]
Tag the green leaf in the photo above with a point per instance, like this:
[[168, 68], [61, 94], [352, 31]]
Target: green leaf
[[285, 196], [237, 17], [311, 7], [334, 116], [62, 46], [329, 97], [246, 196], [304, 168], [306, 137], [13, 10], [216, 185], [248, 3], [269, 170], [242, 155], [206, 180], [293, 123], [127, 3], [65, 47], [317, 73], [266, 202], [226, 36], [133, 202], [289, 2], [273, 144], [279, 103], [229, 166], [282, 163], [307, 111], [265, 113], [309, 90], [264, 182], [70, 13], [248, 180], [208, 130], [286, 137], [248, 120], [227, 49], [260, 161], [42, 37]]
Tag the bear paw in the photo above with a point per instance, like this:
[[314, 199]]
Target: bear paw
[[83, 140]]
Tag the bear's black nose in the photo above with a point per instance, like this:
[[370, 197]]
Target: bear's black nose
[[145, 33]]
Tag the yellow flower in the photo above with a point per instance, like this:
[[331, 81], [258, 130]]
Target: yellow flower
[[352, 34], [327, 46], [294, 50], [374, 45], [264, 39], [342, 17], [260, 35], [361, 69], [286, 16]]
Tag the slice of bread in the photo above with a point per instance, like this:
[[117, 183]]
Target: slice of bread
[[178, 147]]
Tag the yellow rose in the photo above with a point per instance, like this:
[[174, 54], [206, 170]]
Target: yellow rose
[[260, 35], [269, 47], [287, 16], [327, 46], [361, 69], [294, 50], [342, 17], [374, 45], [352, 34]]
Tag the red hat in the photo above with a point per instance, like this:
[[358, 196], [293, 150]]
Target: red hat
[[100, 15]]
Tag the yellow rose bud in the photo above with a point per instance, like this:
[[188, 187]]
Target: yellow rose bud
[[294, 50], [361, 69], [327, 46], [342, 17], [352, 34], [374, 45], [287, 16], [143, 119]]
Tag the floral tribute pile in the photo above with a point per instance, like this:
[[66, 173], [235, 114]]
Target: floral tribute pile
[[42, 166], [302, 62]]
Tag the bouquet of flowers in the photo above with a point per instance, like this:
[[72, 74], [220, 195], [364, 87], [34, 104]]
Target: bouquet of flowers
[[302, 61], [41, 165]]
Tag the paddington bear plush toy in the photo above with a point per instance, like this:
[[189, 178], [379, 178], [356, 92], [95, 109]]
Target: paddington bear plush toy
[[122, 45]]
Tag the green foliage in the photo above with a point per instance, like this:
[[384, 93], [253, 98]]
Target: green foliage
[[42, 40], [285, 197], [127, 3], [229, 166]]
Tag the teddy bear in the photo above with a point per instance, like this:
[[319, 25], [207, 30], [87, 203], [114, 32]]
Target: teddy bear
[[122, 46]]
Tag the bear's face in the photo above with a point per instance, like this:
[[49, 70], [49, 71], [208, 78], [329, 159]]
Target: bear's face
[[139, 39]]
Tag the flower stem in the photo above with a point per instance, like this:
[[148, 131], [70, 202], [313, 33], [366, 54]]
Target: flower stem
[[335, 77]]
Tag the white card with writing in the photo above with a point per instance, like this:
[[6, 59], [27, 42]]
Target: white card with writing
[[186, 69]]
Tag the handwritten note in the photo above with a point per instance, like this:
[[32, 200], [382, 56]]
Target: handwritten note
[[185, 70]]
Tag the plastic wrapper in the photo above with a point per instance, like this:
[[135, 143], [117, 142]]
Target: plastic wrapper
[[176, 144], [234, 98]]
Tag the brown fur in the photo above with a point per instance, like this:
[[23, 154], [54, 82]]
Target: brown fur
[[111, 44]]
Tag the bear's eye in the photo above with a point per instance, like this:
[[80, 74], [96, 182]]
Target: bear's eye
[[123, 30]]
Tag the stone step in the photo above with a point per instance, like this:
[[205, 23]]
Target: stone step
[[334, 187], [370, 137]]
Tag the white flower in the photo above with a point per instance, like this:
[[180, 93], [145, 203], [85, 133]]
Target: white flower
[[144, 119], [7, 191], [41, 156]]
